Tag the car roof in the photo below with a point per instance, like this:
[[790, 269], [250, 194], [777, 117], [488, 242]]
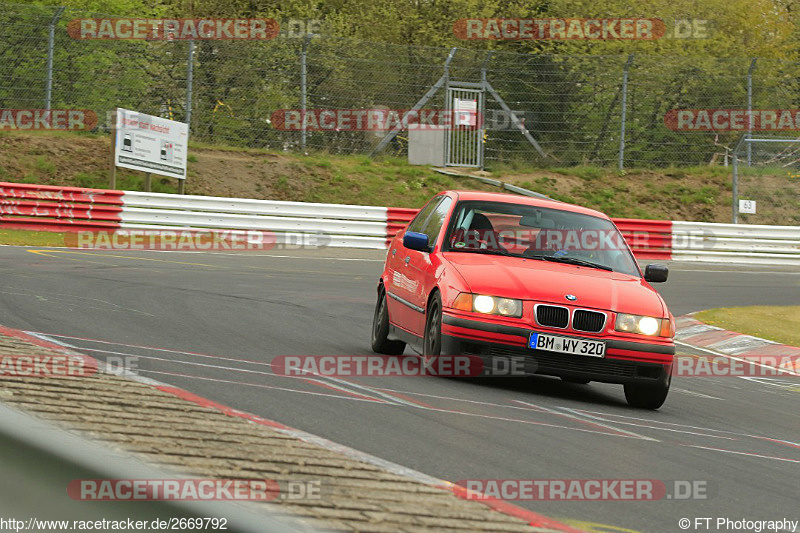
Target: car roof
[[523, 200]]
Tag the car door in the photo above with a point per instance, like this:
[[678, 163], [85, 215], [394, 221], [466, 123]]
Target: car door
[[400, 288], [420, 267]]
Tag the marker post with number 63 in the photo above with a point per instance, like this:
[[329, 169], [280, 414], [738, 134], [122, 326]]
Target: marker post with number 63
[[747, 207]]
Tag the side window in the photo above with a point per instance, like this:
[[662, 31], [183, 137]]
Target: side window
[[419, 220], [436, 220]]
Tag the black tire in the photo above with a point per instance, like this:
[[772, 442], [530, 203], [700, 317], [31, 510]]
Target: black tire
[[646, 396], [380, 329], [579, 381], [432, 341]]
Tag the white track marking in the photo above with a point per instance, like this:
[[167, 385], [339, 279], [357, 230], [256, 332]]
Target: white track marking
[[774, 382], [383, 396], [327, 384], [153, 348], [433, 409], [328, 380], [582, 412], [733, 433], [748, 454], [392, 399], [582, 420], [258, 385], [692, 393], [216, 367]]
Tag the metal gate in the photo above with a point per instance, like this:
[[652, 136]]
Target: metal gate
[[464, 138]]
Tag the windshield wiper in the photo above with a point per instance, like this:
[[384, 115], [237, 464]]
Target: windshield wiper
[[488, 251], [571, 261]]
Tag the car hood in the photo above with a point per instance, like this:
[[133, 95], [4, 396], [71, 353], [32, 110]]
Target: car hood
[[531, 279]]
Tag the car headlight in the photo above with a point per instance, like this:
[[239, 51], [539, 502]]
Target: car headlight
[[488, 305], [646, 325]]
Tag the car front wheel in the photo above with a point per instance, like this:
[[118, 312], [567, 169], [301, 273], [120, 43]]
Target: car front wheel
[[432, 342], [380, 329], [646, 396]]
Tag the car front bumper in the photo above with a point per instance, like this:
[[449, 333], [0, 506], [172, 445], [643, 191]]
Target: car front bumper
[[503, 347]]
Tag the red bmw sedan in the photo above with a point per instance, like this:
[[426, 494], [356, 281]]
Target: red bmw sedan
[[551, 285]]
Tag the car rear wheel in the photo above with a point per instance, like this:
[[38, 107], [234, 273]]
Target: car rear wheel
[[380, 329], [646, 396], [432, 343]]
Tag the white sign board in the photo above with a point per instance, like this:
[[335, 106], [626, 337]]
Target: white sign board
[[466, 112], [151, 144], [747, 207]]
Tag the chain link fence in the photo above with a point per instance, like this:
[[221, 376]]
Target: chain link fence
[[576, 107], [767, 191]]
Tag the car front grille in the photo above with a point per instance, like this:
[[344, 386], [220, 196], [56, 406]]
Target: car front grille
[[591, 321], [552, 316]]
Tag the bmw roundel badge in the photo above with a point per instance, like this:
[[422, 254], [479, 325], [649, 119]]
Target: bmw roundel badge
[[571, 297]]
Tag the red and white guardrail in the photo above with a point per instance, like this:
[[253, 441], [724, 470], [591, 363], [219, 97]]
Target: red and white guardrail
[[73, 209], [46, 208]]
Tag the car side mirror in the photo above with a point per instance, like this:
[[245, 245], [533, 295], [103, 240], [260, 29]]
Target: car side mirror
[[656, 273], [416, 241]]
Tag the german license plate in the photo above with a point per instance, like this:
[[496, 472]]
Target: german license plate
[[555, 343]]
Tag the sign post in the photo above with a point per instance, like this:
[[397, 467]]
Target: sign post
[[113, 174]]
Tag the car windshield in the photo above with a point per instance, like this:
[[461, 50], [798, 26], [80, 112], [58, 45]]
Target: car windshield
[[541, 233]]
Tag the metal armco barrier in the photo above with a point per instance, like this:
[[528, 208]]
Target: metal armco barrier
[[63, 209], [72, 209], [736, 243], [346, 226]]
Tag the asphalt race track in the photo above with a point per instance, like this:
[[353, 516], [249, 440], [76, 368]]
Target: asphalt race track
[[211, 323]]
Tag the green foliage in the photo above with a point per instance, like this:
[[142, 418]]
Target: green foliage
[[570, 89]]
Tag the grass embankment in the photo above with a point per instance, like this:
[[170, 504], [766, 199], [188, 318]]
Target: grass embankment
[[697, 194], [776, 323]]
